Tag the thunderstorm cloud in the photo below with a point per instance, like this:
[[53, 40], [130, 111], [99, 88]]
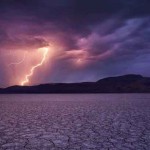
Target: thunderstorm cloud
[[90, 39]]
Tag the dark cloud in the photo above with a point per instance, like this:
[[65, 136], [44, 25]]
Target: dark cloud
[[111, 36], [22, 43]]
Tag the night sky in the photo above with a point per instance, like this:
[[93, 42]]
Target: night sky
[[86, 40]]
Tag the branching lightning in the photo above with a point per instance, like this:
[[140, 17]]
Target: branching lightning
[[19, 62], [26, 80]]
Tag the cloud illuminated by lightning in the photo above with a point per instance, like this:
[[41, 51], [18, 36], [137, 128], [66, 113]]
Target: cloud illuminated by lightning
[[26, 80], [18, 63]]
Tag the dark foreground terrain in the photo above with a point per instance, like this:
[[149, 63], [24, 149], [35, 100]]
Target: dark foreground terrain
[[75, 122], [120, 84]]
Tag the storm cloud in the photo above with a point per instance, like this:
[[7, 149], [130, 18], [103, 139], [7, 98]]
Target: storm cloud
[[92, 39]]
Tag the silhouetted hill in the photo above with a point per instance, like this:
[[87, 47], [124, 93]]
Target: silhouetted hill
[[121, 84]]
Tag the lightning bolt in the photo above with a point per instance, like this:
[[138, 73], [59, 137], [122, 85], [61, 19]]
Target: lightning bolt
[[18, 63], [26, 80]]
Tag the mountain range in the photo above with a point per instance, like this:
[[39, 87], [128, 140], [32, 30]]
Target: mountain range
[[130, 83]]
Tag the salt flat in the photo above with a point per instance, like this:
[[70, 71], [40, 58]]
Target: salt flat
[[75, 122]]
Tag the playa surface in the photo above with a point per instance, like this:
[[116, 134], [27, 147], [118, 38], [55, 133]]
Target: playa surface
[[75, 122]]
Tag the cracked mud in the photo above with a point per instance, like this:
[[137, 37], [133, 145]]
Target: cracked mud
[[75, 122]]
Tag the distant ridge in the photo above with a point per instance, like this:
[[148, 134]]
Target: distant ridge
[[121, 84]]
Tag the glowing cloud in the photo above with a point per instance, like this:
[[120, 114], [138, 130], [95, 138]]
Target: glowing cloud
[[45, 53]]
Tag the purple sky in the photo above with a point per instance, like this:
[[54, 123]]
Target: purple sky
[[87, 39]]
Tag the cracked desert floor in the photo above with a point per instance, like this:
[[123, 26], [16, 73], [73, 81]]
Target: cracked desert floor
[[75, 122]]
